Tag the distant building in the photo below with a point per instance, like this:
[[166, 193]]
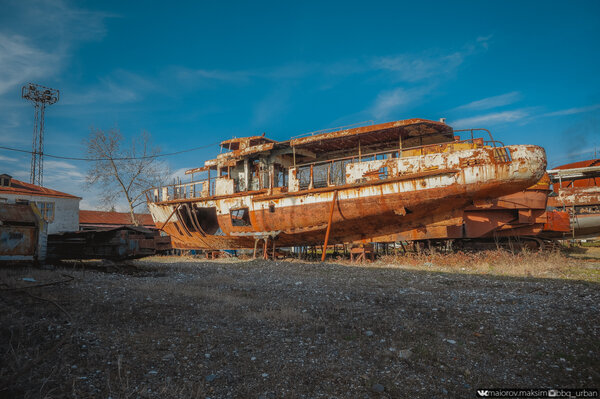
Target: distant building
[[60, 210], [89, 220]]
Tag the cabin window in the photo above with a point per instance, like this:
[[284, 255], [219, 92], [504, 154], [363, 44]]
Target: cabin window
[[240, 217], [255, 183], [280, 178], [47, 210], [22, 201]]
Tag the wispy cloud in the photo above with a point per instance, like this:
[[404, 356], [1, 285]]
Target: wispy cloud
[[411, 68], [484, 41], [61, 171], [571, 111], [21, 61], [199, 75], [488, 119], [290, 71], [390, 101], [419, 74], [406, 67], [492, 102], [271, 107], [7, 159], [51, 25]]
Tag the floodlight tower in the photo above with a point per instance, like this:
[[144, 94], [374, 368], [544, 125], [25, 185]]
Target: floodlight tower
[[40, 96]]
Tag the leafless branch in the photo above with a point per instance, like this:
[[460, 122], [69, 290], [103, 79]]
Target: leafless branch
[[121, 178]]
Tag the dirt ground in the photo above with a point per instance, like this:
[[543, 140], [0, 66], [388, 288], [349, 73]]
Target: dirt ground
[[168, 327]]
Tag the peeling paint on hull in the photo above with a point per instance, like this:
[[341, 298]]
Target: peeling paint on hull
[[424, 190]]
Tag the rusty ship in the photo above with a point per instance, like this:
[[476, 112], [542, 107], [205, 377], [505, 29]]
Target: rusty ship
[[577, 192], [339, 186]]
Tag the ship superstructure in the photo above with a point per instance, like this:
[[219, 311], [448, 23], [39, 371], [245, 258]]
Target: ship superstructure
[[339, 187]]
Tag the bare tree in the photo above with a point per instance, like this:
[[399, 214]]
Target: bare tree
[[123, 171]]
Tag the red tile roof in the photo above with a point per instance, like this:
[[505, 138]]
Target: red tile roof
[[19, 187], [101, 218]]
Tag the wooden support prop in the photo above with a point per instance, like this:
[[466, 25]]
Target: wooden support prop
[[169, 218], [335, 193], [255, 245], [266, 249]]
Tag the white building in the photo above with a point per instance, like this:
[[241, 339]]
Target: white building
[[60, 210]]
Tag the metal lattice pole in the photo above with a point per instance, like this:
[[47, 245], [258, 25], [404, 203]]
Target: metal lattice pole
[[40, 96]]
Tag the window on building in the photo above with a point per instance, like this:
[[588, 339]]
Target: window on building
[[47, 210], [5, 180]]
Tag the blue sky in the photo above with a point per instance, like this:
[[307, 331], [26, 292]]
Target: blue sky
[[195, 73]]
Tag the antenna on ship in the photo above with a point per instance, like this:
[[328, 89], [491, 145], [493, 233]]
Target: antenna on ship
[[40, 96]]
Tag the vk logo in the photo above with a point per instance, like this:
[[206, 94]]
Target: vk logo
[[482, 393]]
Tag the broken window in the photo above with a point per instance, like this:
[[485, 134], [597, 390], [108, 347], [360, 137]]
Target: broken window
[[281, 176], [240, 217]]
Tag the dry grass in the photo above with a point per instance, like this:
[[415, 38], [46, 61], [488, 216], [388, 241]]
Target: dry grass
[[555, 264]]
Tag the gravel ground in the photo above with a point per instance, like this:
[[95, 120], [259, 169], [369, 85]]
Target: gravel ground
[[172, 327]]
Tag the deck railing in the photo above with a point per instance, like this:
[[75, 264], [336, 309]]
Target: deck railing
[[330, 172]]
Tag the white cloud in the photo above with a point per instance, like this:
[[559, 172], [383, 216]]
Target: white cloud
[[7, 159], [270, 107], [280, 72], [493, 102], [411, 68], [572, 111], [61, 171], [52, 25], [484, 41], [395, 67], [22, 175], [390, 101], [59, 165], [497, 117], [21, 61]]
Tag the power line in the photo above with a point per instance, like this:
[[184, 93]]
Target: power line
[[114, 159]]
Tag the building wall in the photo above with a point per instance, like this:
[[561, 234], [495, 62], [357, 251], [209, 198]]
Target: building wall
[[66, 210]]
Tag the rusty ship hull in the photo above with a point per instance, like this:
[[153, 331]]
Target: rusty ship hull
[[522, 216], [414, 191], [577, 192]]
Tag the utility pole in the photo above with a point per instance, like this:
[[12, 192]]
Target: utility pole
[[40, 96]]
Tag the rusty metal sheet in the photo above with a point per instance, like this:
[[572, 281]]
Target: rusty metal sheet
[[17, 213], [576, 196], [557, 223], [412, 131], [17, 241], [361, 211], [19, 231], [241, 143], [521, 213], [243, 152]]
